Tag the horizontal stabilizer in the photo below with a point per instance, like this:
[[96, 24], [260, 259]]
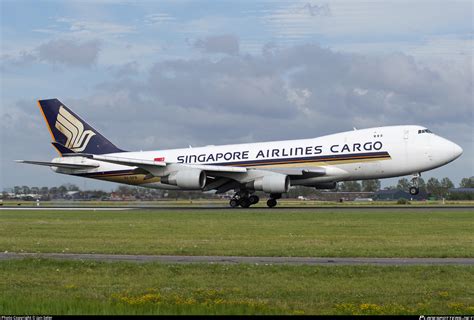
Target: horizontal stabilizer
[[60, 165]]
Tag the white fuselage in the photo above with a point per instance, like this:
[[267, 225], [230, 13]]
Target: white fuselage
[[353, 155]]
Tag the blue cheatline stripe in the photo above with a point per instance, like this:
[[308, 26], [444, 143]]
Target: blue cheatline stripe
[[263, 162], [337, 157]]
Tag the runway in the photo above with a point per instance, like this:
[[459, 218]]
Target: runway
[[237, 260], [236, 210], [66, 208]]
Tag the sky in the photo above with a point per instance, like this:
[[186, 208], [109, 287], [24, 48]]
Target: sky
[[167, 74]]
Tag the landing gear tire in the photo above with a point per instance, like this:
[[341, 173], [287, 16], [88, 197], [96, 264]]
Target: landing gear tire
[[271, 203], [414, 191], [254, 199], [234, 203], [245, 203]]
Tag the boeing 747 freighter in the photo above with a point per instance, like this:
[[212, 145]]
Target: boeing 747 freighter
[[271, 167]]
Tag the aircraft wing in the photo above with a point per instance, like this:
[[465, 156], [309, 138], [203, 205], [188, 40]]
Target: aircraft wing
[[221, 178], [148, 164], [60, 165], [151, 165], [154, 166], [157, 168]]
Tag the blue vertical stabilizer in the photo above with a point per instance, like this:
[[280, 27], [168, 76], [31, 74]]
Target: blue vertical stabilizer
[[70, 133]]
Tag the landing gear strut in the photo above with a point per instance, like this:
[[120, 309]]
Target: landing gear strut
[[414, 189], [273, 199], [243, 199]]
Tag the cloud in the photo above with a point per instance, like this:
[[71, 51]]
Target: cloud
[[86, 29], [296, 21], [307, 90], [158, 18], [127, 69], [17, 60], [69, 52], [226, 43], [361, 23], [317, 10], [301, 91]]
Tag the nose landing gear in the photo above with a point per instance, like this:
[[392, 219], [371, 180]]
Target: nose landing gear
[[414, 189]]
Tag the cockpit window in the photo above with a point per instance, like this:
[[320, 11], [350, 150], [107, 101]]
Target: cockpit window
[[424, 131]]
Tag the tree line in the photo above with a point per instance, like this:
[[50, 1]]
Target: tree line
[[434, 187]]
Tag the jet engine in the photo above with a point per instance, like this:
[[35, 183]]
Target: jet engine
[[187, 179], [275, 183]]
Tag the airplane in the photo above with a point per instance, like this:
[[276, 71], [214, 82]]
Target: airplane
[[271, 167]]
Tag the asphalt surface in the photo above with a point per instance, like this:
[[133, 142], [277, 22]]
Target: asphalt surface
[[220, 207], [238, 260], [66, 208]]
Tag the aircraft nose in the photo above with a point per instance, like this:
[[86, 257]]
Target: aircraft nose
[[457, 150]]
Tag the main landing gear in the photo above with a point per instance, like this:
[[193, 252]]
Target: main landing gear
[[414, 189], [243, 199]]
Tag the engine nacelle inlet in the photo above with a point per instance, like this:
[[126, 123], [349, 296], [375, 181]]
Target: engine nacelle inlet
[[186, 179]]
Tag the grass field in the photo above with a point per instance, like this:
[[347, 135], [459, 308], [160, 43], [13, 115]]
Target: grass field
[[65, 287], [254, 232], [41, 286], [225, 203]]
